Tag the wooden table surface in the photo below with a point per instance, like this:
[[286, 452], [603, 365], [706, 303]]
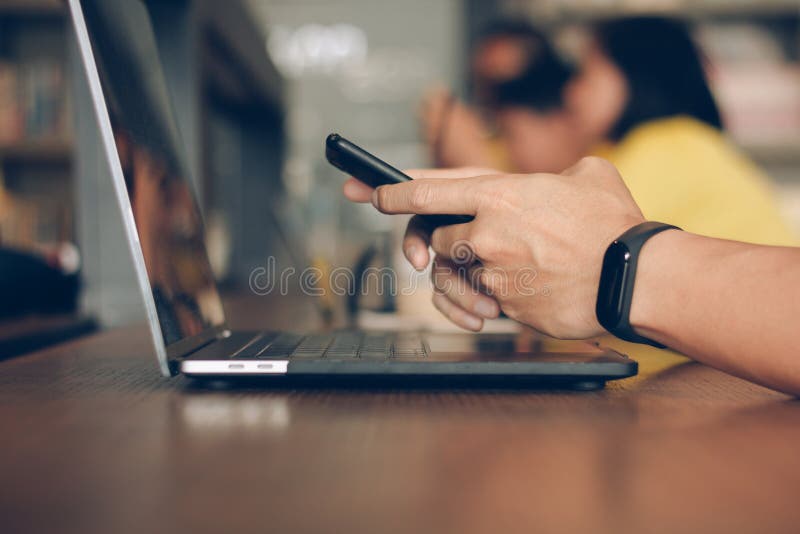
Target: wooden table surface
[[93, 439]]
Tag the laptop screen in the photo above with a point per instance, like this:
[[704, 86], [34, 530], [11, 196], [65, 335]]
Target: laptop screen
[[154, 166]]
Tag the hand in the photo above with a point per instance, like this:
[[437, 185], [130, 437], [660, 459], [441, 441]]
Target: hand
[[537, 241], [455, 133]]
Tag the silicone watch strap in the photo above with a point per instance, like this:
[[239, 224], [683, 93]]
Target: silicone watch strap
[[633, 240]]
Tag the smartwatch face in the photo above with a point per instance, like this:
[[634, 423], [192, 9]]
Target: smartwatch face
[[613, 279]]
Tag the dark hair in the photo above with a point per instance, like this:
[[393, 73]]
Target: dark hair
[[510, 27], [540, 84], [663, 68]]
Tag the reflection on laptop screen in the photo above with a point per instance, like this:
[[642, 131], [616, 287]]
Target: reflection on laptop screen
[[153, 162]]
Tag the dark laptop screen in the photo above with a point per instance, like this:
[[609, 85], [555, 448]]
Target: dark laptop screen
[[153, 162]]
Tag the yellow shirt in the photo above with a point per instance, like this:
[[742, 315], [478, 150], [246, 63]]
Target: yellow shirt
[[683, 172]]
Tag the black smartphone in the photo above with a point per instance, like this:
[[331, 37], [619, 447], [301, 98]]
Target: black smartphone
[[366, 168]]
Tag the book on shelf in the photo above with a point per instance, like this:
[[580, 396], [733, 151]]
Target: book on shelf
[[34, 110], [34, 102]]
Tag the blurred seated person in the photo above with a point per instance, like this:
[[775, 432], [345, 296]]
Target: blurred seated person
[[536, 131], [518, 81], [642, 100], [34, 277]]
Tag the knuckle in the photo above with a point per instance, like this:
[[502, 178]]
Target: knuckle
[[589, 162], [441, 277], [495, 281], [596, 165], [438, 240], [438, 269], [498, 194], [511, 311], [489, 189], [483, 244], [382, 196], [440, 303], [462, 252], [421, 196]]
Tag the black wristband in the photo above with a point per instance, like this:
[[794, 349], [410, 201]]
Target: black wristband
[[617, 278]]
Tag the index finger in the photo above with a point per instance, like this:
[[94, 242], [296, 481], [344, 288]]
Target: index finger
[[461, 172], [457, 196], [357, 191]]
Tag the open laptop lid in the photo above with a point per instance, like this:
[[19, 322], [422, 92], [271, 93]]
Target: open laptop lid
[[148, 166]]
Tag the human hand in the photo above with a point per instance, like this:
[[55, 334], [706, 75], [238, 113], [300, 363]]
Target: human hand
[[455, 133], [534, 249]]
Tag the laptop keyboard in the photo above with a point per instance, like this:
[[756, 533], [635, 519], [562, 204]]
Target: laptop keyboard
[[334, 346]]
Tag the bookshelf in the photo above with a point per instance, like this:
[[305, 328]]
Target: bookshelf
[[36, 146], [57, 151], [54, 181], [35, 8]]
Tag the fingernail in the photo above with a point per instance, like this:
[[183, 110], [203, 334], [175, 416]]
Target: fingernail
[[411, 256], [473, 323], [486, 309], [419, 260], [414, 255]]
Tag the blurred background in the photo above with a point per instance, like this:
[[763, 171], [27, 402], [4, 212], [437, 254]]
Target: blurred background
[[258, 84]]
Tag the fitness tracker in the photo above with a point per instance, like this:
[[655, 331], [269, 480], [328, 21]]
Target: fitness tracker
[[617, 279]]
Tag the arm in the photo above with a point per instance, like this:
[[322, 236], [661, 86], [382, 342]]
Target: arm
[[455, 134], [730, 305]]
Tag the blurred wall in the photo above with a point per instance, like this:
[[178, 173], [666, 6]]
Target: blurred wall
[[358, 68]]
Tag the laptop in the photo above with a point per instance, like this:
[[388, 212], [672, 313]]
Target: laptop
[[164, 231]]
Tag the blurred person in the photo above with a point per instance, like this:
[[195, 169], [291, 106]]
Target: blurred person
[[517, 82], [537, 132], [505, 50], [641, 98]]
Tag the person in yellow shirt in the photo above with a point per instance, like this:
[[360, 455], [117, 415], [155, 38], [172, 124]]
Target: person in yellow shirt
[[642, 100]]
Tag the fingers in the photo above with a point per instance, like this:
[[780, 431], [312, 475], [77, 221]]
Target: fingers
[[452, 242], [448, 242], [456, 196], [462, 172], [357, 191], [457, 315], [416, 241], [453, 282]]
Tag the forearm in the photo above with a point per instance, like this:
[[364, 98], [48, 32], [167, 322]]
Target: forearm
[[731, 305]]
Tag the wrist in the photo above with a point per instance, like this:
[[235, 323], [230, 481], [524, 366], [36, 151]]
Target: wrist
[[618, 278], [659, 262]]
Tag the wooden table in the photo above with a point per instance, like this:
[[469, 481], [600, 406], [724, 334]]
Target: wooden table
[[93, 439]]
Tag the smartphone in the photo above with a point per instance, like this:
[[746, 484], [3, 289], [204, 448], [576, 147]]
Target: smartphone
[[368, 169]]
